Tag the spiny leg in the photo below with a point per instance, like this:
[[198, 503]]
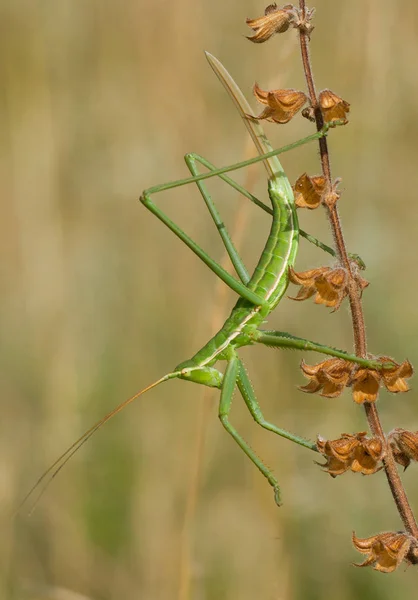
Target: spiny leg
[[280, 339], [227, 390], [236, 260], [313, 240], [236, 166], [230, 281], [247, 392]]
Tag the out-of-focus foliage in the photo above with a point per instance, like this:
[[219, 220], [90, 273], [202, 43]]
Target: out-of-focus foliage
[[99, 100]]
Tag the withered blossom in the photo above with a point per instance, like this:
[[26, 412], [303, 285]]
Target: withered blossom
[[387, 550], [275, 20], [330, 286], [331, 376], [404, 445], [333, 107], [365, 385], [281, 105], [309, 191], [357, 453], [394, 379], [366, 382]]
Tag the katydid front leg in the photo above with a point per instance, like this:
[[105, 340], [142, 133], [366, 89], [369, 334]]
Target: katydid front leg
[[280, 339]]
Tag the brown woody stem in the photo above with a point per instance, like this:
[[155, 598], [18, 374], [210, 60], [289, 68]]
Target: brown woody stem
[[359, 332]]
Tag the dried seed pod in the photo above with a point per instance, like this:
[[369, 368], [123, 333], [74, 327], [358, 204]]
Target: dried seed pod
[[404, 445], [366, 382], [330, 286], [329, 377], [365, 385], [333, 107], [281, 105], [394, 379], [309, 191], [275, 20], [387, 550]]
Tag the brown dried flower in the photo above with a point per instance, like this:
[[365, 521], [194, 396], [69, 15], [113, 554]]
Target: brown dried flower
[[281, 105], [387, 550], [330, 286], [331, 376], [357, 453], [333, 107], [275, 20], [366, 382], [394, 379], [309, 191], [404, 445]]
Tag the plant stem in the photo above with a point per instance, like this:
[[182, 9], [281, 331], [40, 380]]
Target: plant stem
[[359, 331]]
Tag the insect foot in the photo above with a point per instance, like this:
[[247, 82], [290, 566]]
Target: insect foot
[[385, 551]]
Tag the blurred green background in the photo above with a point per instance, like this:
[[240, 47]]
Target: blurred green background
[[99, 100]]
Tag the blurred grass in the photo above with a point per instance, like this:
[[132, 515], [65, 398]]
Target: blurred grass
[[98, 101]]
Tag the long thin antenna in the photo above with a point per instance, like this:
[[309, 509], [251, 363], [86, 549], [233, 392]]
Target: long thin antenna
[[57, 465]]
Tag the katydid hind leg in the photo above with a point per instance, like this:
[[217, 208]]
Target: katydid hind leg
[[228, 386], [246, 389]]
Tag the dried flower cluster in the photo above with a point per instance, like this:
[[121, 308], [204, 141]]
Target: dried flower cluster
[[331, 376], [328, 285], [386, 551], [357, 453], [283, 104], [362, 454]]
